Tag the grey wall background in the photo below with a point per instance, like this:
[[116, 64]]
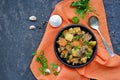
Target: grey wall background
[[17, 42]]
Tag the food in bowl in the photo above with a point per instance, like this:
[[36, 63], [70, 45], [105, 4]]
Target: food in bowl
[[75, 45]]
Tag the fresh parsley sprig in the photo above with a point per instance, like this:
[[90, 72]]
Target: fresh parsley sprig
[[54, 67], [41, 58], [82, 7]]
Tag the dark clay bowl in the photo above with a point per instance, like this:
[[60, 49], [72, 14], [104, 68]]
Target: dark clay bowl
[[63, 60]]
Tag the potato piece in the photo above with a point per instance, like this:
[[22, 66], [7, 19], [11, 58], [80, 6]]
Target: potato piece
[[69, 36], [63, 53], [75, 62], [62, 48], [76, 43], [81, 42], [68, 47], [75, 53], [72, 31], [74, 59], [80, 62], [80, 34], [77, 29], [65, 31], [59, 50], [68, 61], [87, 37], [83, 32], [84, 59], [62, 42], [66, 55], [92, 43], [89, 50], [81, 51], [70, 57]]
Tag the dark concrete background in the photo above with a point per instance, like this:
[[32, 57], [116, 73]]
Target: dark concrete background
[[17, 42]]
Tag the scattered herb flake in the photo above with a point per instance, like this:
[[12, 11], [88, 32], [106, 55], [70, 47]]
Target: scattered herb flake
[[75, 20], [76, 37], [62, 35], [87, 55], [86, 43], [46, 73], [34, 53], [53, 66], [75, 47], [55, 73], [66, 55]]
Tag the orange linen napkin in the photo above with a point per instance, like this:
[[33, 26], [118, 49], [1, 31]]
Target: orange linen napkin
[[103, 67]]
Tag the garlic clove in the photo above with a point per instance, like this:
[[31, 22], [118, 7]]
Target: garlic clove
[[32, 27], [47, 70], [32, 18], [58, 69], [55, 21]]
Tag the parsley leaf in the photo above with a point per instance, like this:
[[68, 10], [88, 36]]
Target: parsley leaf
[[55, 73], [75, 47], [43, 62], [42, 70], [75, 20], [76, 37], [86, 42], [76, 4], [82, 7], [62, 35], [54, 67], [66, 55], [87, 55], [34, 53]]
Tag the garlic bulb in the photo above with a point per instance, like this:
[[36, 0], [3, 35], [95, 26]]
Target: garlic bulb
[[55, 21]]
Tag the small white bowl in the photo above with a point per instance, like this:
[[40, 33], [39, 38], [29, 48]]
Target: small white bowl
[[55, 21]]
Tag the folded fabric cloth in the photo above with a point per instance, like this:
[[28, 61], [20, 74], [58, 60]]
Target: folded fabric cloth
[[103, 67]]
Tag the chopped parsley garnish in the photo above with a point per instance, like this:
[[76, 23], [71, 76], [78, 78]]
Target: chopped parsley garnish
[[77, 37], [55, 73], [43, 62], [54, 67], [87, 55], [86, 42], [75, 47], [34, 53], [75, 20], [62, 35]]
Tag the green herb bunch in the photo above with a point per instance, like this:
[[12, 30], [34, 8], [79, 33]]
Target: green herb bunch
[[54, 67], [82, 7], [43, 62]]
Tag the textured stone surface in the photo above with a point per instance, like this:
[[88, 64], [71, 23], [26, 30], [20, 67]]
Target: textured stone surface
[[113, 18], [17, 42]]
